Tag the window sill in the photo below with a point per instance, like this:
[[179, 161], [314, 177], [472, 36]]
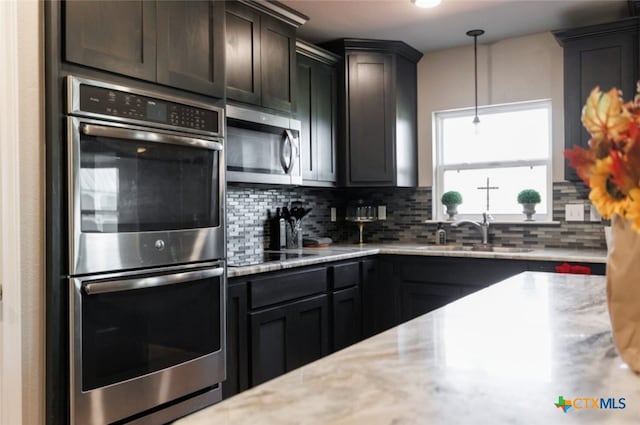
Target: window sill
[[500, 222]]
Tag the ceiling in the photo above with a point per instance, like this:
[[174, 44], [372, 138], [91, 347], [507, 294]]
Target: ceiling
[[445, 26]]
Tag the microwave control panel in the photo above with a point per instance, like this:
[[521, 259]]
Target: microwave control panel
[[134, 107]]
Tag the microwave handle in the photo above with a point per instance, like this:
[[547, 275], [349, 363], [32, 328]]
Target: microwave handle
[[150, 282], [148, 136], [288, 152]]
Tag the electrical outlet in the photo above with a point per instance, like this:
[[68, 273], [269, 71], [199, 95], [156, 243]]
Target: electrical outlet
[[574, 212], [382, 212], [594, 215], [333, 214]]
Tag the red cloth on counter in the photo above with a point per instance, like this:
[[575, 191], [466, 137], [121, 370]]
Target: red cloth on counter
[[573, 269]]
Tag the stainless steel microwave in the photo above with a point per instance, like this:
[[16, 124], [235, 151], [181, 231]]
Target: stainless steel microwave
[[262, 147]]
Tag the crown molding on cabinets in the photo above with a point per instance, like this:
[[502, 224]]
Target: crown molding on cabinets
[[278, 11]]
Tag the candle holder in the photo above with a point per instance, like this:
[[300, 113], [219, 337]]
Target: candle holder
[[361, 213], [360, 222]]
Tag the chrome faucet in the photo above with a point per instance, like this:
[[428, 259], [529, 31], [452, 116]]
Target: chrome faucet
[[482, 227]]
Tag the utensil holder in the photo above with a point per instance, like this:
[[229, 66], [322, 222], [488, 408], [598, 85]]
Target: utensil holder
[[294, 235]]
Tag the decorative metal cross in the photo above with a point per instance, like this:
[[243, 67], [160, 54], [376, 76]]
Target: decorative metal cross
[[488, 188]]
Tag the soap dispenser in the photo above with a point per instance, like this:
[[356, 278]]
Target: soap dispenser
[[441, 235]]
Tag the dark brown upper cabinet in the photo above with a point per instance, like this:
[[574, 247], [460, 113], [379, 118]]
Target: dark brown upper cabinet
[[118, 36], [603, 55], [191, 46], [316, 108], [261, 61], [378, 112], [175, 43]]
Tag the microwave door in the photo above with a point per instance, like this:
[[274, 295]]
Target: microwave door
[[262, 155]]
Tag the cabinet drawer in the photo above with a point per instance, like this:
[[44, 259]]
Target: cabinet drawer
[[345, 275], [287, 286]]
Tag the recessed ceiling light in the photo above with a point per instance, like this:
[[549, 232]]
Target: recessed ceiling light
[[426, 3]]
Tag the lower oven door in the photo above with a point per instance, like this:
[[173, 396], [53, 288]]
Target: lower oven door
[[140, 341]]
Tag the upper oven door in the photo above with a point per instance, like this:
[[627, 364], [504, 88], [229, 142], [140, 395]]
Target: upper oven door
[[140, 197]]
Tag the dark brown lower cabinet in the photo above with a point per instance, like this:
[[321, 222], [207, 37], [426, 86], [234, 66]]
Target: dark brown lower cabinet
[[237, 341], [379, 296], [347, 317], [288, 336]]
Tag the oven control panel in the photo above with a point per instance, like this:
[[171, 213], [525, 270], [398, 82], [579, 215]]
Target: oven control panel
[[129, 106]]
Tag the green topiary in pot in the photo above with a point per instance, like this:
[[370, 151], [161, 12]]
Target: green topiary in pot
[[451, 200], [529, 198]]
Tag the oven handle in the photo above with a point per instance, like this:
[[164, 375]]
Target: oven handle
[[148, 136], [150, 282]]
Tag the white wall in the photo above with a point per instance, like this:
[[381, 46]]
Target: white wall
[[22, 212], [516, 69]]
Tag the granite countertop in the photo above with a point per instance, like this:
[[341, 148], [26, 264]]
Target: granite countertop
[[500, 356], [345, 252]]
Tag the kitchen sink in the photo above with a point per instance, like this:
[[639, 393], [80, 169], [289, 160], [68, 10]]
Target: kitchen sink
[[480, 248], [444, 248], [510, 249]]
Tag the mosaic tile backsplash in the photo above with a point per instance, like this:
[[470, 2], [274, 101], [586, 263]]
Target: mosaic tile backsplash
[[248, 209], [407, 209]]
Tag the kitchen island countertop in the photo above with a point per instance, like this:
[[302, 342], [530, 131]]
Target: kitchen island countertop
[[503, 355], [345, 252]]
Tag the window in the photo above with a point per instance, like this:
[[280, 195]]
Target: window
[[510, 149]]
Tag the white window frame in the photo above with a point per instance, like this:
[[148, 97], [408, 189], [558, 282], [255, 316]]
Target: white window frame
[[438, 212]]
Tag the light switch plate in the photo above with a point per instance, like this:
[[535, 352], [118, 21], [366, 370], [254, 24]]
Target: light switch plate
[[382, 212], [333, 214], [574, 212]]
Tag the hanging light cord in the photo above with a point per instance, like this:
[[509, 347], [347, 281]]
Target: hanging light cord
[[475, 34]]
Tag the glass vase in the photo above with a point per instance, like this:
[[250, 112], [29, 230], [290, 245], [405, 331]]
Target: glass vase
[[623, 290]]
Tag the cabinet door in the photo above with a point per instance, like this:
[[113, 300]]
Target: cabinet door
[[304, 112], [237, 341], [309, 332], [269, 339], [347, 317], [325, 119], [191, 46], [604, 60], [316, 104], [278, 63], [286, 337], [243, 53], [116, 36], [420, 298], [370, 119]]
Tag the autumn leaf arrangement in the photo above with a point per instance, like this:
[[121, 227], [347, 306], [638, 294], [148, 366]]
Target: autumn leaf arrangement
[[611, 165]]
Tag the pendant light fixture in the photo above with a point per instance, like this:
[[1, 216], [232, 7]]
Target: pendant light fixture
[[426, 4], [475, 34]]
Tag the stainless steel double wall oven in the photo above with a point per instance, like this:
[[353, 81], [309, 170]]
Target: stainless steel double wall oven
[[146, 251]]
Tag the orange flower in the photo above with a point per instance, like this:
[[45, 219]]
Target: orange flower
[[605, 196], [605, 119]]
